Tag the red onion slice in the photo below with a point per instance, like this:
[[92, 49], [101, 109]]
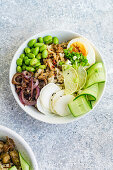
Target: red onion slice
[[35, 84], [20, 98], [17, 79], [26, 87], [27, 74], [31, 86], [37, 92], [25, 101]]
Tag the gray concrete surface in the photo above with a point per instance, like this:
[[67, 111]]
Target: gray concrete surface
[[86, 144]]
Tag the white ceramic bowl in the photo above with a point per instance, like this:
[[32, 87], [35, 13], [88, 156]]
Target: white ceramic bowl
[[21, 145], [62, 35]]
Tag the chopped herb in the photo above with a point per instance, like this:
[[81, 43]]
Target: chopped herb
[[75, 58], [61, 63]]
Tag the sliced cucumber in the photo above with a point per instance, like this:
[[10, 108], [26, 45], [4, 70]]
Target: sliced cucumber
[[95, 74], [13, 168], [89, 102], [91, 98], [23, 163], [91, 92], [79, 106]]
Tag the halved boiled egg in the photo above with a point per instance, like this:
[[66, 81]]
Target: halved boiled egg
[[81, 45]]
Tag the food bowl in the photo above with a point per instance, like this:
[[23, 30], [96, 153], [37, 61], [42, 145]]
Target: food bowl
[[62, 35], [21, 145]]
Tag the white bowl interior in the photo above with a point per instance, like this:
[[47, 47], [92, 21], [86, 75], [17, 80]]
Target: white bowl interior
[[21, 145], [62, 36]]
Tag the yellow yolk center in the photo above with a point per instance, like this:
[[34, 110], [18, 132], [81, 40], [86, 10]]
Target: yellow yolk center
[[79, 47]]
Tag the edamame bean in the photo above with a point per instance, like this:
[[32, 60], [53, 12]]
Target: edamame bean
[[35, 50], [32, 50], [30, 55], [47, 39], [22, 56], [44, 54], [37, 65], [44, 47], [25, 58], [33, 61], [40, 40], [38, 44], [48, 42], [55, 40], [31, 42], [27, 62], [19, 62], [42, 66], [38, 56], [18, 69], [30, 69], [27, 50], [23, 67]]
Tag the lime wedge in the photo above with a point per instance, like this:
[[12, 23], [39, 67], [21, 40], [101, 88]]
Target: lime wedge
[[82, 74], [70, 80]]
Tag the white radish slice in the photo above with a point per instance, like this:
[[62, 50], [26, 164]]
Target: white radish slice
[[54, 98], [46, 94], [61, 105], [41, 108]]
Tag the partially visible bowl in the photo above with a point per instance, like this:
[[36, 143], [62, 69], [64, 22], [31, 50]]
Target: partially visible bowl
[[62, 35], [21, 145]]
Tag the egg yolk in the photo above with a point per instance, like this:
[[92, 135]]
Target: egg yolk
[[79, 47]]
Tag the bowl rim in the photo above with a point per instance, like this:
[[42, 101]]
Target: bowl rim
[[22, 142], [58, 30]]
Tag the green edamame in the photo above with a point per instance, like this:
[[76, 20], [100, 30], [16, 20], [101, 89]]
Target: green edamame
[[30, 69], [38, 56], [48, 39], [42, 66], [55, 40], [27, 62], [35, 50], [44, 54], [33, 61], [48, 42], [30, 55], [27, 50], [37, 65], [18, 69], [23, 67], [19, 62], [38, 44], [40, 40], [31, 42], [32, 50], [25, 58], [44, 47], [22, 56]]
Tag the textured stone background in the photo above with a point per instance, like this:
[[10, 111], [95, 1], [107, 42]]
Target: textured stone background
[[86, 144]]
